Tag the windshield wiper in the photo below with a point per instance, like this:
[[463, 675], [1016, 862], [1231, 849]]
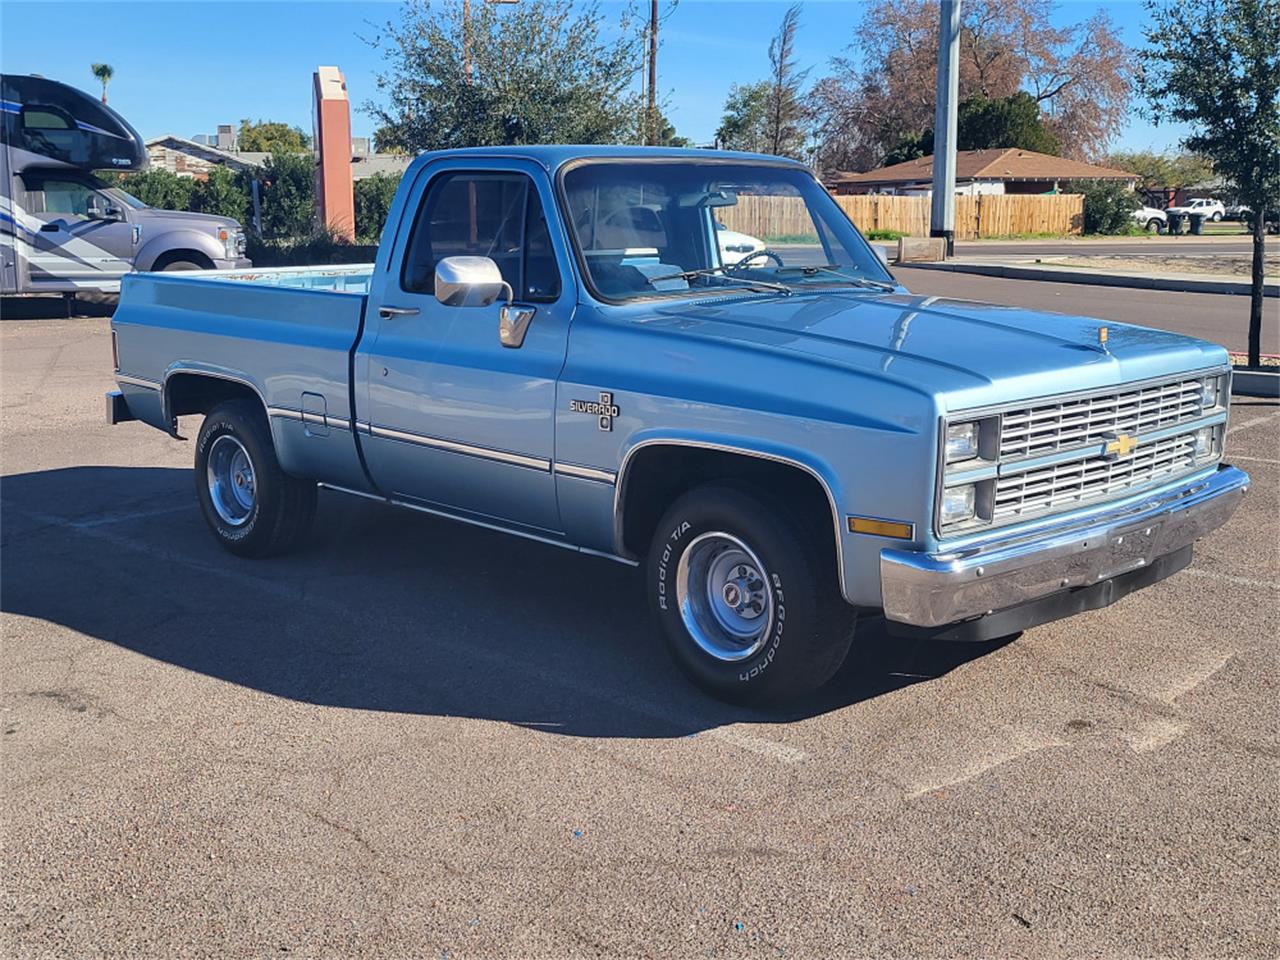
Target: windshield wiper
[[834, 270], [688, 276]]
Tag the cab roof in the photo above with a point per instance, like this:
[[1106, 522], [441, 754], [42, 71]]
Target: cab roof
[[553, 156]]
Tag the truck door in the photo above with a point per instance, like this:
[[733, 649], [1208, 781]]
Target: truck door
[[451, 418], [74, 239]]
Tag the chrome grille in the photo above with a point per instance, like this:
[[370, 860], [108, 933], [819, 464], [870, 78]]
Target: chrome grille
[[1079, 421], [1066, 485]]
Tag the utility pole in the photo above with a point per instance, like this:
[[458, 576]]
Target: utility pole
[[942, 222], [651, 116]]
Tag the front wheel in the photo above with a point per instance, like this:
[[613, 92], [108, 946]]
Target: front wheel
[[1153, 225], [746, 599], [252, 506]]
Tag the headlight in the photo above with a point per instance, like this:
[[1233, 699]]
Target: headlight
[[1214, 392], [232, 241], [957, 503], [962, 441]]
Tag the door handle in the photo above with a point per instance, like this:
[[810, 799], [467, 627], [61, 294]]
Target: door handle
[[49, 228], [386, 313]]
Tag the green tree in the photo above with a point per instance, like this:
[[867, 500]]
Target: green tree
[[103, 72], [270, 136], [288, 196], [785, 115], [1108, 206], [373, 201], [160, 189], [1215, 65], [224, 194], [985, 124], [541, 71], [1161, 170], [744, 123], [1012, 121], [666, 135]]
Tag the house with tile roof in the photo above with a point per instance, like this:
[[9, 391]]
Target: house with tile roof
[[995, 171]]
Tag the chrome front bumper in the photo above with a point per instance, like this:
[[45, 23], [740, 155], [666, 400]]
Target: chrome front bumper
[[933, 590]]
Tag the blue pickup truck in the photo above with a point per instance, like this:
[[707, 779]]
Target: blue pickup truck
[[551, 344]]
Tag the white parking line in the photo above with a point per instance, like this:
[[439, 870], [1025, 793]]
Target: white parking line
[[126, 517], [1238, 581], [1253, 459], [1154, 734], [1210, 664], [1252, 423]]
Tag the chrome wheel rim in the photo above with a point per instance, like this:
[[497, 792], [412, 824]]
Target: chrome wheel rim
[[232, 487], [722, 590]]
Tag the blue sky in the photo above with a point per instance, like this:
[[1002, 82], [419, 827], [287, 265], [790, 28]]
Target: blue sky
[[185, 67]]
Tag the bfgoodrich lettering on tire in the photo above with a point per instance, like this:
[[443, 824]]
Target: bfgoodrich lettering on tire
[[746, 596], [252, 506]]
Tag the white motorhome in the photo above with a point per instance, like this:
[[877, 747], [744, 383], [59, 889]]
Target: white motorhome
[[62, 229]]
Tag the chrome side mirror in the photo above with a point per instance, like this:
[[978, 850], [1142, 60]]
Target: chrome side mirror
[[477, 282], [469, 282]]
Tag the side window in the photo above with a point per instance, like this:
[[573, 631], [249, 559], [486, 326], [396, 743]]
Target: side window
[[67, 198], [494, 215]]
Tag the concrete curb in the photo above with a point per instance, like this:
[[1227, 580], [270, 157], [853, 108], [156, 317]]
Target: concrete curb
[[1255, 383], [1179, 283]]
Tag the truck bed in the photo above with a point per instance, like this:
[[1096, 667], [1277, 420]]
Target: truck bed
[[286, 334]]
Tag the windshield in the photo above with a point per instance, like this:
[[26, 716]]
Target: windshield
[[652, 229], [125, 198]]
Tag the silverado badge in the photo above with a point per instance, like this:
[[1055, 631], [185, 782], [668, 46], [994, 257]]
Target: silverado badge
[[1121, 445], [603, 409]]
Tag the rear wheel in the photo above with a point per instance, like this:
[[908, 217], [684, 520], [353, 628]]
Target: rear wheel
[[746, 598], [1217, 216], [253, 508]]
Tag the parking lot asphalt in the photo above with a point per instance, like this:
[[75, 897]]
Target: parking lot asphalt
[[414, 739]]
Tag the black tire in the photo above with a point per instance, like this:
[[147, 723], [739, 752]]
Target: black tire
[[281, 507], [1153, 225], [809, 627], [1216, 218], [182, 265]]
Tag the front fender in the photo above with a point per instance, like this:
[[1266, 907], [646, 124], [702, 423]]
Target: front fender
[[156, 246]]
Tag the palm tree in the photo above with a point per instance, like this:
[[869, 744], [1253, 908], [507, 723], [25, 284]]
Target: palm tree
[[104, 73]]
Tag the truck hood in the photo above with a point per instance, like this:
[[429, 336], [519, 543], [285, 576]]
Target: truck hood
[[963, 353], [179, 219]]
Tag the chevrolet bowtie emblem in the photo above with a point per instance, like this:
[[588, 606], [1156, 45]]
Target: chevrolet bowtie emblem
[[1122, 445]]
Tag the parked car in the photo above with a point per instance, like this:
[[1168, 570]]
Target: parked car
[[1237, 211], [783, 444], [734, 245], [1151, 219], [1209, 209], [1270, 221], [64, 230]]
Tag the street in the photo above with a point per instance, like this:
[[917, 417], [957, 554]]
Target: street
[[1219, 318], [419, 739]]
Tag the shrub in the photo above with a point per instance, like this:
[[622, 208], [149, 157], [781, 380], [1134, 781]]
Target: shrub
[[1108, 207], [885, 234], [373, 202], [288, 196], [160, 189], [223, 194]]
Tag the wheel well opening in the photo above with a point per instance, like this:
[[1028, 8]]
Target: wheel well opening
[[189, 393], [657, 475], [174, 256]]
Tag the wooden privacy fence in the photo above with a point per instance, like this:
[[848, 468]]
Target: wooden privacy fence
[[778, 218]]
